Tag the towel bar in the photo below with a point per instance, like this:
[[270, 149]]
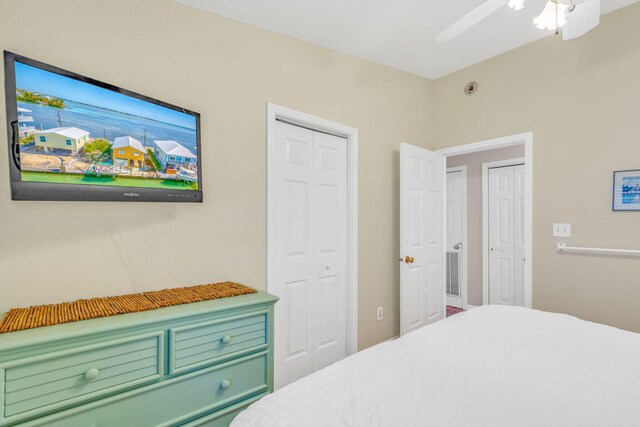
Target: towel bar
[[564, 248]]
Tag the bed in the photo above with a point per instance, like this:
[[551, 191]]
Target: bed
[[489, 366]]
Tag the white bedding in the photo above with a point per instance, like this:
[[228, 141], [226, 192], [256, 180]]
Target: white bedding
[[491, 366]]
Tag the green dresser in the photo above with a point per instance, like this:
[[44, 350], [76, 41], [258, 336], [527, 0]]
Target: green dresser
[[190, 365]]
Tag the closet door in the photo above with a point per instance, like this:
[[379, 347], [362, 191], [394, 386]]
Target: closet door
[[501, 236], [519, 188], [329, 249], [294, 254], [310, 241]]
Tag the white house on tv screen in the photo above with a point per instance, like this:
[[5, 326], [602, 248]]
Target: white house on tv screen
[[172, 154], [61, 138]]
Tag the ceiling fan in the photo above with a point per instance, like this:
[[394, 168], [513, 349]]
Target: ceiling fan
[[573, 17]]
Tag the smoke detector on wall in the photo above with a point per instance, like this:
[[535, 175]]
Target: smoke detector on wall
[[471, 88]]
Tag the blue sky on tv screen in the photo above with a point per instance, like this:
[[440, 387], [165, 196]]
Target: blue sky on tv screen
[[48, 83]]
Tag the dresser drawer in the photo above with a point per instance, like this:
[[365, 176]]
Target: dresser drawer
[[216, 420], [52, 381], [174, 401], [197, 345], [223, 417]]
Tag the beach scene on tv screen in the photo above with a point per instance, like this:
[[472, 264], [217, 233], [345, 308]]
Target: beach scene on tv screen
[[72, 132]]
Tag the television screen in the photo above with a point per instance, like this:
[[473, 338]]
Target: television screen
[[75, 138]]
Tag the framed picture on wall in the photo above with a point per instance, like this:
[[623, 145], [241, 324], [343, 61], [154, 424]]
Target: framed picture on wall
[[626, 190]]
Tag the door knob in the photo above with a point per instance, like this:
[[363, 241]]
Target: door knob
[[457, 246], [408, 259]]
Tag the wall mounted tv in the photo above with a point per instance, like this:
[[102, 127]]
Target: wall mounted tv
[[75, 138]]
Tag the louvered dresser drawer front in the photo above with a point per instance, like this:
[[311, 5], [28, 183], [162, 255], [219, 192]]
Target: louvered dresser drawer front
[[194, 346], [68, 377], [181, 398]]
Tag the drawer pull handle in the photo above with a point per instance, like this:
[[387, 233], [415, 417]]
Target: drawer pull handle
[[225, 384], [91, 374], [226, 339]]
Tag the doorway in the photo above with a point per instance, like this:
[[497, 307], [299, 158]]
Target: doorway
[[522, 269], [423, 230], [456, 280], [311, 241]]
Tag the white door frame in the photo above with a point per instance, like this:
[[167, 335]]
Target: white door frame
[[463, 279], [275, 112], [485, 219], [508, 141]]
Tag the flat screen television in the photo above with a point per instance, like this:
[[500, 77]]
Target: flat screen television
[[75, 138]]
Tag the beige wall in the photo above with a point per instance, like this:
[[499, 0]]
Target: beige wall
[[580, 98], [227, 71], [582, 101], [474, 162]]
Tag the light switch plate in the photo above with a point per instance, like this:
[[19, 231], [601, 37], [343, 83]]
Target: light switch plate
[[561, 230]]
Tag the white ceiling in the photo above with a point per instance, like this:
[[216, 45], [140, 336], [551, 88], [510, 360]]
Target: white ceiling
[[399, 34]]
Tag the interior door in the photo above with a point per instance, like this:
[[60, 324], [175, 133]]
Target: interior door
[[519, 176], [422, 237], [330, 249], [506, 235], [455, 226], [311, 251]]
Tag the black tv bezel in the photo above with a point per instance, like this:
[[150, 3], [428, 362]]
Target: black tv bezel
[[37, 191]]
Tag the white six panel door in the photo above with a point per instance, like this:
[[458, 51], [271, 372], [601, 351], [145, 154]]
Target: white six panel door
[[506, 235], [422, 237], [311, 249], [501, 236], [519, 176], [455, 195], [330, 249]]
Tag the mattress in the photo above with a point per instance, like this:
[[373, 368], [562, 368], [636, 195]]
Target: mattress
[[489, 366]]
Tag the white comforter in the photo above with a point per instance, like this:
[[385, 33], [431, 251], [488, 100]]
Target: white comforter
[[491, 366]]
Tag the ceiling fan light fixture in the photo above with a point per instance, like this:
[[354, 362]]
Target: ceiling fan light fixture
[[553, 17], [516, 4]]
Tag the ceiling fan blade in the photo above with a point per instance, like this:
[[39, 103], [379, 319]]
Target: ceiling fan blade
[[470, 19], [583, 19]]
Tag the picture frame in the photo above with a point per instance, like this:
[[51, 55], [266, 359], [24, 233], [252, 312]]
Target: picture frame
[[626, 190]]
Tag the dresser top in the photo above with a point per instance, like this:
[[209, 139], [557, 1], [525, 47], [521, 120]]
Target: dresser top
[[70, 330]]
